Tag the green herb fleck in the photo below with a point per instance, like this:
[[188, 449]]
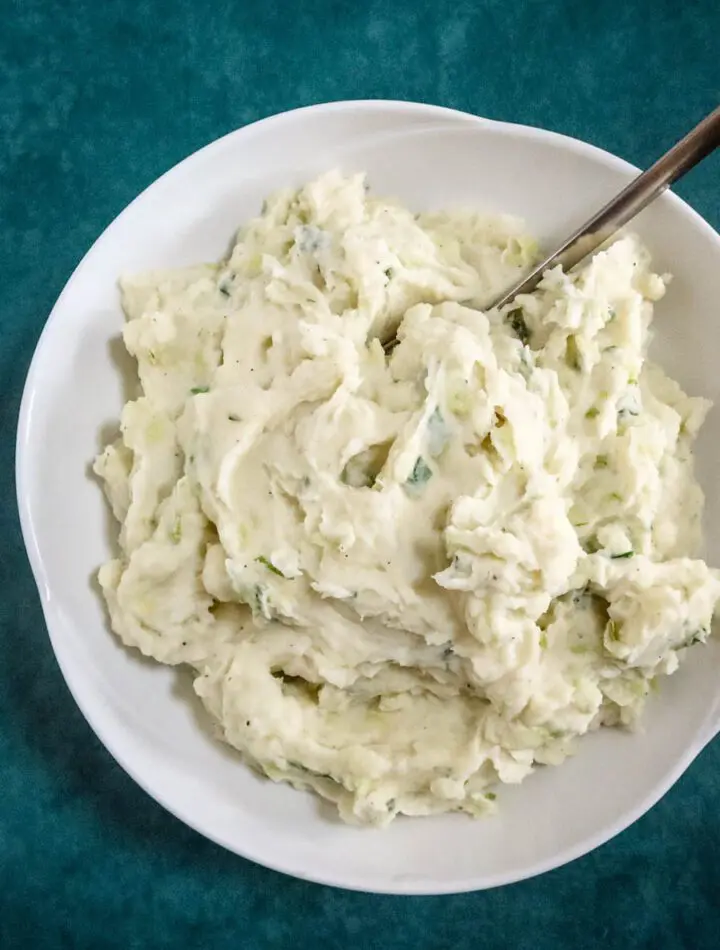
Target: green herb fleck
[[617, 557], [592, 413], [517, 323], [601, 461], [196, 390], [526, 363], [438, 434], [612, 630], [490, 796], [543, 641], [572, 354], [255, 596], [269, 565], [420, 474], [259, 602]]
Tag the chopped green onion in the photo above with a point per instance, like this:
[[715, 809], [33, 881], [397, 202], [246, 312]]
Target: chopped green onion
[[269, 565], [572, 354], [196, 390], [420, 474], [612, 630], [261, 603], [617, 557], [438, 434]]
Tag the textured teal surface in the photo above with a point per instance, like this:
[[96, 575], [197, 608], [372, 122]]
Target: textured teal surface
[[96, 100]]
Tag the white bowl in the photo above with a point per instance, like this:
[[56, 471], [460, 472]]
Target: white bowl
[[144, 713]]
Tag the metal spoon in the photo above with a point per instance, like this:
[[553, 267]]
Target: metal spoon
[[696, 146]]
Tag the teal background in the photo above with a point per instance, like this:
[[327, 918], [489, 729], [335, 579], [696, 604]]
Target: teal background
[[96, 100]]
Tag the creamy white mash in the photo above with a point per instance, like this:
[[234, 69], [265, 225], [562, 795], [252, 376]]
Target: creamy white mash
[[403, 579]]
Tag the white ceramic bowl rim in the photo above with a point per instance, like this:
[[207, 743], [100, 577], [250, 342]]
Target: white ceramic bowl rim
[[55, 623]]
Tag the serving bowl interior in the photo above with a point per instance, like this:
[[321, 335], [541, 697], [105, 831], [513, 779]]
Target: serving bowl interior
[[146, 714]]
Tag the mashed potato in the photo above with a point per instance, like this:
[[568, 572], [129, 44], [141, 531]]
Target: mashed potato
[[404, 578]]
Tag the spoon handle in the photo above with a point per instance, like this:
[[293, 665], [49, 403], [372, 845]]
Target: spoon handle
[[696, 145]]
